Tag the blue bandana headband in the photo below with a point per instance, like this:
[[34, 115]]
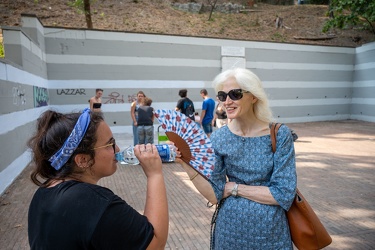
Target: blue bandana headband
[[70, 145]]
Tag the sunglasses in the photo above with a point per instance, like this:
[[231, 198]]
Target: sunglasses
[[234, 94], [113, 144]]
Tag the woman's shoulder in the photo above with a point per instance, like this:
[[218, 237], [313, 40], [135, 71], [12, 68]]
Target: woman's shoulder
[[221, 133], [78, 188], [283, 129]]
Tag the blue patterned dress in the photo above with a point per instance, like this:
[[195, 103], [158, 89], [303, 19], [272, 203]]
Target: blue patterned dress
[[242, 223]]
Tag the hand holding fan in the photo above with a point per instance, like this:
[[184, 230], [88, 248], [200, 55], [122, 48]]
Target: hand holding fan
[[195, 147]]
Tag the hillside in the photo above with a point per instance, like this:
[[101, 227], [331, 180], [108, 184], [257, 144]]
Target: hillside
[[302, 24]]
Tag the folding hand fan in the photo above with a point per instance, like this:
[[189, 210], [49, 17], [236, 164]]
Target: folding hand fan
[[195, 147]]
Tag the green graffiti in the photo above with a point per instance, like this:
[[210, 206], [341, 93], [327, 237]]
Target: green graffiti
[[41, 97]]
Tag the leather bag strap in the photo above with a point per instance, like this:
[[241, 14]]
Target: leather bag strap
[[274, 128]]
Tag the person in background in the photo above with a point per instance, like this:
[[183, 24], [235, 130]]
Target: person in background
[[220, 116], [69, 210], [197, 118], [145, 125], [207, 115], [252, 185], [134, 114], [96, 101], [185, 105]]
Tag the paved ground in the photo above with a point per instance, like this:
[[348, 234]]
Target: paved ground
[[336, 173]]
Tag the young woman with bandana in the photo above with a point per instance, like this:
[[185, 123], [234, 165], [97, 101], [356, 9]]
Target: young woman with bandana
[[71, 153]]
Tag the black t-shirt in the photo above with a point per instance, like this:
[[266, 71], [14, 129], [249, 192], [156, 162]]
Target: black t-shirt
[[186, 106], [76, 215]]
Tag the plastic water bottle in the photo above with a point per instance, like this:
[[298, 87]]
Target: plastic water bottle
[[166, 152]]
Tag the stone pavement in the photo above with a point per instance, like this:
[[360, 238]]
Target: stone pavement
[[336, 173]]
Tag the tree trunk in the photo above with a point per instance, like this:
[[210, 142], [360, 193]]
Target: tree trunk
[[212, 9], [86, 8]]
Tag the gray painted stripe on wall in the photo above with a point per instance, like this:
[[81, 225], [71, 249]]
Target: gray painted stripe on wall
[[298, 66], [115, 72], [302, 57], [315, 110], [33, 64], [15, 97], [314, 118], [300, 75], [10, 173], [13, 120], [13, 53], [306, 84], [10, 151], [308, 93], [133, 61], [125, 84], [308, 102], [363, 109], [365, 57], [364, 75], [130, 49], [18, 76]]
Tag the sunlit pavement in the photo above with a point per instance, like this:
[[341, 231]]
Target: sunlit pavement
[[336, 174]]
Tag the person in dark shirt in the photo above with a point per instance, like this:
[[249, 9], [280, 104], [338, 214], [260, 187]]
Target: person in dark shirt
[[145, 122], [185, 105], [71, 153]]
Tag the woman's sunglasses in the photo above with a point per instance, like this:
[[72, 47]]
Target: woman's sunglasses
[[234, 94], [113, 144]]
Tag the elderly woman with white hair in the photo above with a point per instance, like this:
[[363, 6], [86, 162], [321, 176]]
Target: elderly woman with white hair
[[252, 185]]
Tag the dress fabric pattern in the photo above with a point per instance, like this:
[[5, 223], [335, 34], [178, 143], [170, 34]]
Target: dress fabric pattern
[[242, 223]]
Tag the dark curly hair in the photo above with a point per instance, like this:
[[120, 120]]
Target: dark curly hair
[[52, 130]]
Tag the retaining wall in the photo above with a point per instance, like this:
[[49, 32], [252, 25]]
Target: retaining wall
[[50, 67]]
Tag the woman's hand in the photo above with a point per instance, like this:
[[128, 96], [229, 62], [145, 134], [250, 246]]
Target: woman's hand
[[149, 159]]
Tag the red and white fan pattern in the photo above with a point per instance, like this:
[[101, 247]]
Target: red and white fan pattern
[[201, 156]]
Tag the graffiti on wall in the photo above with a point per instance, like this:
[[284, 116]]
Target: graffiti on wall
[[71, 92], [132, 98], [19, 96], [41, 97], [114, 97]]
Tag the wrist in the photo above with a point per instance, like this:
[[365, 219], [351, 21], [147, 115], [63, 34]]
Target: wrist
[[234, 191]]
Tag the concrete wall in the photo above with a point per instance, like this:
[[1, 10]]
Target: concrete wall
[[48, 67]]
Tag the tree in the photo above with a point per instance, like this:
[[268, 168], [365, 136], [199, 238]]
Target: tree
[[351, 12], [84, 5], [213, 4]]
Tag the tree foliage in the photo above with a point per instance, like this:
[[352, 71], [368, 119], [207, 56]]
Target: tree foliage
[[351, 12]]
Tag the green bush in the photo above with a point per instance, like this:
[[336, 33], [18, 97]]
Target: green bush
[[1, 50], [348, 13]]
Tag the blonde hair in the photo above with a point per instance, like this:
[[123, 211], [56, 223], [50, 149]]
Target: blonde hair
[[247, 80]]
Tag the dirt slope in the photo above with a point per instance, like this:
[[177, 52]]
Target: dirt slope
[[301, 23]]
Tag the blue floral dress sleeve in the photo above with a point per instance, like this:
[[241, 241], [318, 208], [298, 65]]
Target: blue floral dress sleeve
[[243, 223]]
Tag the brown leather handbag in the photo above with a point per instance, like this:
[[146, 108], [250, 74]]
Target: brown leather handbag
[[305, 227]]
